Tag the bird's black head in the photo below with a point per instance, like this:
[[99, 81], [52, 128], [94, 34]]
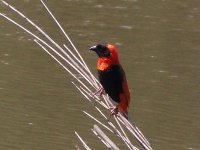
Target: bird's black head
[[101, 50]]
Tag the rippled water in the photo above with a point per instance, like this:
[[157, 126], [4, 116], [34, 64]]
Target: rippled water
[[158, 44]]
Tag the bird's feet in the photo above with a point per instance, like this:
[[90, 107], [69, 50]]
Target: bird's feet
[[99, 92], [113, 111]]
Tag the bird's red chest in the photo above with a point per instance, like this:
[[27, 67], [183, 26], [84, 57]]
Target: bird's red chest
[[104, 63]]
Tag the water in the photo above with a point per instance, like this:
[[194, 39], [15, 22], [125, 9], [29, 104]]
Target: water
[[158, 44]]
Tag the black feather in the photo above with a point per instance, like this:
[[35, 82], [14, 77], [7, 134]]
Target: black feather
[[111, 79]]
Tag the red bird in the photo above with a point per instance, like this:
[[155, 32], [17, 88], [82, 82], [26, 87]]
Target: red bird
[[112, 77]]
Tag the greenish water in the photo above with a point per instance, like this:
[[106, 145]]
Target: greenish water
[[158, 44]]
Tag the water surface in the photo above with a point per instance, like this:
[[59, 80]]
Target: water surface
[[158, 44]]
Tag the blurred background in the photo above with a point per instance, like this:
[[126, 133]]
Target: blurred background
[[159, 48]]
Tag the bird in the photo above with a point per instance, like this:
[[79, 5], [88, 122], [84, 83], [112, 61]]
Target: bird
[[112, 77]]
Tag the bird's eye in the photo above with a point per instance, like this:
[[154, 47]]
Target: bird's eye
[[103, 50]]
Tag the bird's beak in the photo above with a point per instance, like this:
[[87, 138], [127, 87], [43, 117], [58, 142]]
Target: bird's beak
[[93, 48]]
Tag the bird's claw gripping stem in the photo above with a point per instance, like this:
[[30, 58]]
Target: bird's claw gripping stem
[[113, 111], [99, 92]]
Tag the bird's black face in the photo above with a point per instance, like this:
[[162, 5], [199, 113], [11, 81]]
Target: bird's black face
[[101, 50]]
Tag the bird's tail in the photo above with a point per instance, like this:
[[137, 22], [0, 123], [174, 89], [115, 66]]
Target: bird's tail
[[123, 105]]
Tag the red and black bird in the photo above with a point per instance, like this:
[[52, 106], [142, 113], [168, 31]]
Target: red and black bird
[[112, 76]]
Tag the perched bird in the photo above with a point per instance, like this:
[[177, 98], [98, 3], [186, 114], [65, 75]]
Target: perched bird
[[112, 77]]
